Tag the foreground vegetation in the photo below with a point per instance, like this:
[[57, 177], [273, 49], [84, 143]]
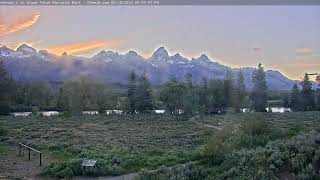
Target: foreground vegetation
[[256, 149], [294, 158], [265, 145]]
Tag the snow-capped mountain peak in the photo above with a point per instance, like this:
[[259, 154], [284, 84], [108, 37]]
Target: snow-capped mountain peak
[[177, 55], [46, 55], [106, 56], [25, 49], [160, 54], [178, 59], [132, 54], [4, 51], [203, 57]]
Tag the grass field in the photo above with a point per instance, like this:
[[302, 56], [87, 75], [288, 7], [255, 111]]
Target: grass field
[[125, 143], [284, 121]]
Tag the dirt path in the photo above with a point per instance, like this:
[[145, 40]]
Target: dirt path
[[207, 125]]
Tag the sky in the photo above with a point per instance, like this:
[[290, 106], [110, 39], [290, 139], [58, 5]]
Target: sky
[[284, 38]]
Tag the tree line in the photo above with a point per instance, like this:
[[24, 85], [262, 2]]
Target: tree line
[[176, 97], [305, 98]]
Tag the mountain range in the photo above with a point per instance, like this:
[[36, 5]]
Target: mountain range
[[27, 64]]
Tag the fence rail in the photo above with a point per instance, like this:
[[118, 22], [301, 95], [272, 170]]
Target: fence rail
[[29, 152]]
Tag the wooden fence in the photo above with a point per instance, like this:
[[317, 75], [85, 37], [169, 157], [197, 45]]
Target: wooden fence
[[29, 152]]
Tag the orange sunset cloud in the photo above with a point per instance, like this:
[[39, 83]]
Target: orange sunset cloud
[[304, 51], [19, 26], [81, 48]]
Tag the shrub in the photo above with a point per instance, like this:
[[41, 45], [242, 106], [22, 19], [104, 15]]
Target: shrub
[[254, 125], [298, 157], [3, 130], [64, 169], [65, 114], [35, 110], [216, 144]]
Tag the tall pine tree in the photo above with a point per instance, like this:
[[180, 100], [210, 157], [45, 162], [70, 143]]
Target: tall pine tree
[[307, 94], [295, 99], [203, 96], [228, 88], [190, 97], [239, 93], [144, 100], [171, 94], [259, 91], [132, 90]]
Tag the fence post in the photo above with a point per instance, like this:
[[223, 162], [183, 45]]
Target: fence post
[[20, 150], [29, 154], [40, 159]]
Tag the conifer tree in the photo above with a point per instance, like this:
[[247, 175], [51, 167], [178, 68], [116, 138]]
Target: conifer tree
[[171, 94], [239, 92], [144, 99], [132, 90], [259, 91], [190, 97], [295, 99], [307, 94], [228, 88]]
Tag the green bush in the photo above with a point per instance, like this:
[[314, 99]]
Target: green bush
[[64, 169], [65, 114], [35, 110], [3, 130], [254, 125], [298, 157], [190, 170], [216, 144]]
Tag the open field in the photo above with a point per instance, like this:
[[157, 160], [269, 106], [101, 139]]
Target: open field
[[277, 120], [127, 143], [122, 144]]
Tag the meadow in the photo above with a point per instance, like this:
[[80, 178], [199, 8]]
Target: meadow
[[121, 143], [154, 146]]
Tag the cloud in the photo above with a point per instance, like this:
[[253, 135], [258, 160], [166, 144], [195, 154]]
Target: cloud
[[304, 51], [83, 47], [303, 63], [19, 26], [299, 66]]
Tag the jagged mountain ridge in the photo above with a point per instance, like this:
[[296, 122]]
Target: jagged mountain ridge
[[28, 64]]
